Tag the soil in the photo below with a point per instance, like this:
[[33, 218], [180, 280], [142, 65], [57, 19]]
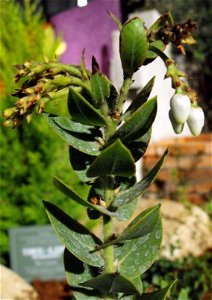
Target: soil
[[52, 289]]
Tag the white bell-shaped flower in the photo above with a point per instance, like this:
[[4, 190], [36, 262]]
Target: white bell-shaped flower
[[180, 106], [177, 127], [196, 120]]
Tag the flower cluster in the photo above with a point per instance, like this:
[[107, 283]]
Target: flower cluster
[[182, 110]]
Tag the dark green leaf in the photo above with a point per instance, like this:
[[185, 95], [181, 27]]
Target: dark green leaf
[[82, 111], [134, 257], [76, 272], [139, 123], [100, 87], [152, 55], [139, 188], [158, 295], [133, 45], [73, 195], [116, 159], [111, 284], [76, 238], [140, 99], [125, 212], [112, 99], [138, 147], [143, 224], [79, 136], [80, 163]]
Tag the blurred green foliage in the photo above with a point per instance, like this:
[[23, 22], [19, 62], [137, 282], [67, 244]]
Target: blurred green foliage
[[193, 274], [31, 155]]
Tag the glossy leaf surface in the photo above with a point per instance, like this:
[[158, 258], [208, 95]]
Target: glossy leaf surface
[[140, 99], [80, 163], [138, 147], [139, 188], [133, 45], [136, 256], [111, 284], [76, 238], [142, 225], [100, 87], [82, 111], [139, 122], [116, 159], [79, 136]]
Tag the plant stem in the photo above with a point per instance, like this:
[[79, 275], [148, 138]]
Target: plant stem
[[123, 94]]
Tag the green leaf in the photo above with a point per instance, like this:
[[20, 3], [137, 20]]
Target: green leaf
[[112, 99], [133, 45], [139, 188], [112, 283], [79, 136], [116, 159], [76, 238], [139, 123], [82, 111], [143, 224], [76, 272], [151, 55], [80, 163], [158, 295], [138, 147], [138, 283], [74, 196], [100, 87], [134, 257], [140, 99], [125, 212]]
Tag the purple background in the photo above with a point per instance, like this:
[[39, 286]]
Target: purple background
[[88, 27]]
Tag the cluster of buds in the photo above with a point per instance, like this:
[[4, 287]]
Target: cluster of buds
[[182, 110], [45, 82]]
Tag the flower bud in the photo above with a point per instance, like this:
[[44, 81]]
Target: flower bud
[[177, 127], [180, 107], [196, 120]]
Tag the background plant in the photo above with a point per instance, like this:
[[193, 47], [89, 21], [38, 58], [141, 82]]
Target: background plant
[[29, 156], [104, 144]]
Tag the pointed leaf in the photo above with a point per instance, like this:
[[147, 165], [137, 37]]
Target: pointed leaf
[[138, 147], [143, 224], [76, 272], [80, 162], [100, 87], [82, 111], [137, 255], [111, 284], [139, 188], [116, 159], [139, 123], [133, 45], [74, 196], [79, 136], [140, 99], [76, 238], [158, 295]]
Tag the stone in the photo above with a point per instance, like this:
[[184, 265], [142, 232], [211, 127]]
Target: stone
[[13, 287]]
